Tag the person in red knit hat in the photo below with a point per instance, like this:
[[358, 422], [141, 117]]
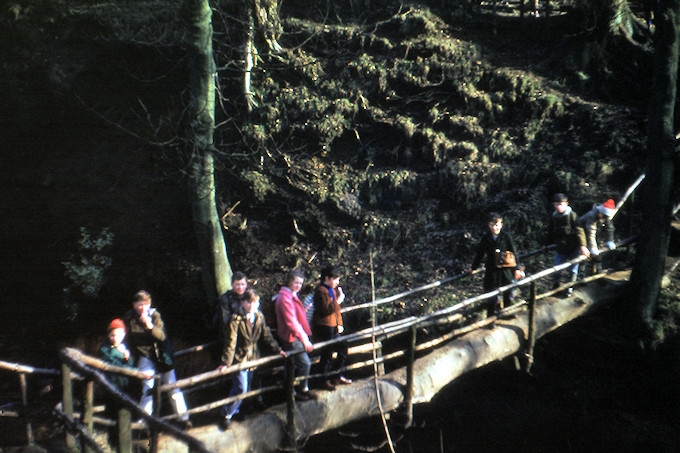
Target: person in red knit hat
[[599, 218]]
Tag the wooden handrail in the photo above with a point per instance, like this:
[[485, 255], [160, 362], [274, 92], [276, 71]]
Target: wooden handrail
[[25, 369], [71, 357]]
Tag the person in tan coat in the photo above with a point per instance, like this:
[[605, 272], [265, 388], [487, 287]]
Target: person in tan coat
[[246, 333], [327, 325]]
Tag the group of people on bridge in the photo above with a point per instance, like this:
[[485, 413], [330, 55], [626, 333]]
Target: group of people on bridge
[[572, 236], [140, 340]]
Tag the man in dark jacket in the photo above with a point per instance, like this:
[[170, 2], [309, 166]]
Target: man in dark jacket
[[493, 243], [145, 337], [568, 236], [229, 302]]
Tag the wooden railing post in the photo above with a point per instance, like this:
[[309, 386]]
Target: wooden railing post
[[156, 411], [24, 403], [67, 403], [88, 409], [378, 355], [124, 431], [531, 335], [291, 428], [408, 391]]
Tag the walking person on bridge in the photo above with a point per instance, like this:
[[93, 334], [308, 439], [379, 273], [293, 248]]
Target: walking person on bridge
[[293, 330], [500, 268], [569, 238], [229, 303], [114, 351], [245, 334], [327, 325], [221, 309], [148, 340], [599, 218]]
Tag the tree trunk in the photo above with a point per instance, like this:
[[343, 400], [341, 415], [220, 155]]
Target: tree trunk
[[216, 269], [660, 168]]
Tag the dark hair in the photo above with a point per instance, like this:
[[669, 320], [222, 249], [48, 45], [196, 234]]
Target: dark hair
[[495, 217], [559, 198], [330, 272], [249, 295], [238, 275], [140, 296], [292, 275]]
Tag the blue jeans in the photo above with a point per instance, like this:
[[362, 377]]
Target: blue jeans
[[561, 258], [176, 395], [240, 384], [302, 362]]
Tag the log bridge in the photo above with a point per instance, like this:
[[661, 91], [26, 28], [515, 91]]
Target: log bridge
[[415, 383]]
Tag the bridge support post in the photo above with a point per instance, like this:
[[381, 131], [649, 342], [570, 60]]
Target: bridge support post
[[531, 335], [156, 411], [378, 354], [88, 409], [408, 391], [67, 403], [24, 403], [124, 431], [291, 428]]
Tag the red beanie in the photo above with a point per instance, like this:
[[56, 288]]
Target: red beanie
[[116, 324], [607, 208]]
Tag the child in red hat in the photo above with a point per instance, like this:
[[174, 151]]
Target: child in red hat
[[114, 351], [599, 218]]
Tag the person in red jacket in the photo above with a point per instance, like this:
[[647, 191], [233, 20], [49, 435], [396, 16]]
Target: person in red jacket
[[293, 330], [327, 325]]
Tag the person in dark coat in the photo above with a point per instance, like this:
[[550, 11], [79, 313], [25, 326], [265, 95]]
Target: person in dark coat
[[115, 352], [491, 245], [145, 337], [229, 303], [565, 231]]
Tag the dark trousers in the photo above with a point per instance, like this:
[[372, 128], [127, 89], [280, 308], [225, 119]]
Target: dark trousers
[[330, 367], [301, 360]]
